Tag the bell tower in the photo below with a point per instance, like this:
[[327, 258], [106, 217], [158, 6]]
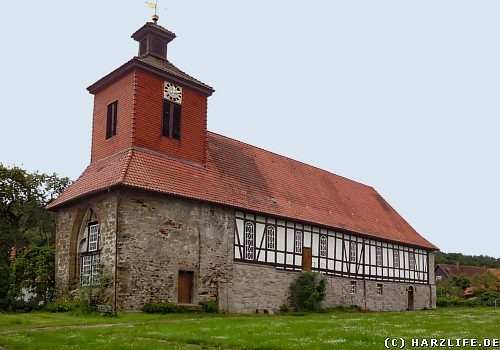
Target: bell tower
[[150, 104]]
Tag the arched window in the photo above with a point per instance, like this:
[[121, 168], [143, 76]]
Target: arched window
[[249, 241], [322, 246], [353, 253], [298, 242], [271, 237], [396, 258], [379, 256], [412, 261]]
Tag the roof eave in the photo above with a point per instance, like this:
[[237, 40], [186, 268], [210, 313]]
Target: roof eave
[[136, 64]]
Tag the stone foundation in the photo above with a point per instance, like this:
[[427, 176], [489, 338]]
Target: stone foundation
[[256, 287]]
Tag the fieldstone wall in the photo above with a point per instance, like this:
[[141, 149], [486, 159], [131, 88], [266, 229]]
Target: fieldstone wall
[[70, 224], [159, 236], [256, 287]]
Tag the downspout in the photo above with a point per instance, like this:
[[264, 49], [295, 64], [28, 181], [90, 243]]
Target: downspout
[[116, 253], [199, 261]]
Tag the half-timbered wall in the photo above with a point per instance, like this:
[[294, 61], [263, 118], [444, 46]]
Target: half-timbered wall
[[279, 243]]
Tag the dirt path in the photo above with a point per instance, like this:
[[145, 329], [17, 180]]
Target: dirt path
[[105, 325]]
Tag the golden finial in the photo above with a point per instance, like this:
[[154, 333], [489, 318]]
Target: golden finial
[[155, 17]]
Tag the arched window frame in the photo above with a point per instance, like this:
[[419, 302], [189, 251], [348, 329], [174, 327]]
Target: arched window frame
[[379, 258], [249, 243], [90, 260], [353, 252], [323, 246], [271, 237], [298, 242]]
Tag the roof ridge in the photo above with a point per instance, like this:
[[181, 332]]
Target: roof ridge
[[178, 74], [123, 174], [289, 158]]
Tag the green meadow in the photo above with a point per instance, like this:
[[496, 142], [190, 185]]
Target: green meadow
[[39, 330]]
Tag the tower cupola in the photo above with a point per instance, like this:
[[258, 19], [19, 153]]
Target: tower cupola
[[153, 40]]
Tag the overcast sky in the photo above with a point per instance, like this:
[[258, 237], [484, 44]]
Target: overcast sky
[[400, 95]]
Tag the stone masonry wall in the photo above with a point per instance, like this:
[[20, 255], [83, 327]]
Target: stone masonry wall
[[256, 287], [70, 221], [159, 236]]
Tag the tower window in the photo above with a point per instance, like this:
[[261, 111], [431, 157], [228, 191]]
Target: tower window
[[112, 117], [171, 120]]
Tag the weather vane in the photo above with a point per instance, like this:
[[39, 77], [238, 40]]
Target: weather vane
[[155, 17]]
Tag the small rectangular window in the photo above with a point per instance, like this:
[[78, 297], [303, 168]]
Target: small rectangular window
[[112, 117], [93, 237], [171, 120], [352, 287], [439, 278], [379, 289]]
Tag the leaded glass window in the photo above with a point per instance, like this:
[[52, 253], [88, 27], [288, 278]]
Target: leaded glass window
[[412, 261], [323, 246], [271, 237], [379, 256], [249, 241], [298, 242], [353, 252], [396, 258]]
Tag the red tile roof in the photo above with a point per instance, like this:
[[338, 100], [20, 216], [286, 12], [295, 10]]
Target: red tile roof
[[465, 270], [246, 177]]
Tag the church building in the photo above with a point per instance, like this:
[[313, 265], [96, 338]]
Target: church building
[[170, 211]]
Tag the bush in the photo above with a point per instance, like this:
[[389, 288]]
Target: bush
[[284, 308], [160, 308], [308, 291], [210, 307], [74, 306], [488, 298]]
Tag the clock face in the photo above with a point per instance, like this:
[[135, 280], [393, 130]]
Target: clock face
[[172, 92]]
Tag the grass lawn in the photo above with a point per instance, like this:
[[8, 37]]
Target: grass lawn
[[314, 331]]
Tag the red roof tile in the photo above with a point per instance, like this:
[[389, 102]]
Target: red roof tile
[[465, 270], [246, 177]]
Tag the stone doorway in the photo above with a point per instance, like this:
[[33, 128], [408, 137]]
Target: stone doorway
[[410, 298], [185, 287]]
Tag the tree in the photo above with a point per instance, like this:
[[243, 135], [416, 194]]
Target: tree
[[470, 260], [32, 272], [24, 220]]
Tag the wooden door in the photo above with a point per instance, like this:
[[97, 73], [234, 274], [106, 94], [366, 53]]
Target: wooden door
[[185, 287], [410, 298], [306, 259]]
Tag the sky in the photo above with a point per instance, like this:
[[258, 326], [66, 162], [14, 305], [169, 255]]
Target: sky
[[399, 95]]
